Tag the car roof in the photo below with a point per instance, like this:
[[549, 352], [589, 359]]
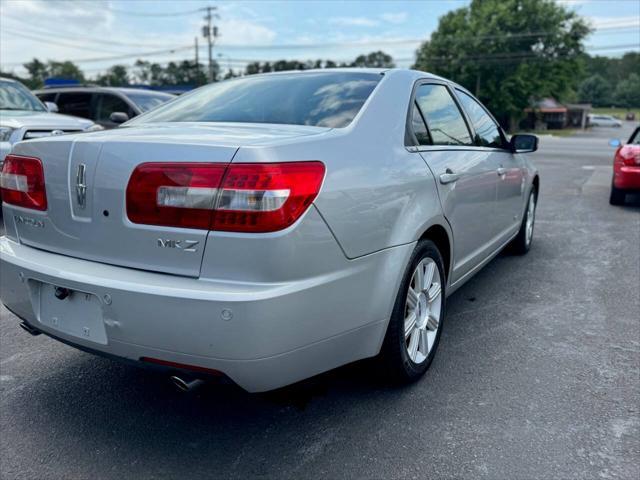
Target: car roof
[[98, 88]]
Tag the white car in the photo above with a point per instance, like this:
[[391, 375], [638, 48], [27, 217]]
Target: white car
[[23, 116], [604, 121]]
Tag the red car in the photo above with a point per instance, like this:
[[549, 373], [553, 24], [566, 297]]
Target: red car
[[626, 169]]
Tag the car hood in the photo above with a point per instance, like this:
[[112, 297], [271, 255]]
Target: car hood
[[28, 119]]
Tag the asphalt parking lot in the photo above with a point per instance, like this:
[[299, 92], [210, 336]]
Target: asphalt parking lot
[[537, 376]]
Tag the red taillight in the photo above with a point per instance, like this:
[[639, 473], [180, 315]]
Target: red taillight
[[250, 197], [629, 155], [22, 182], [174, 194], [266, 197]]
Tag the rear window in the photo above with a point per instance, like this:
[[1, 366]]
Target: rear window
[[330, 99]]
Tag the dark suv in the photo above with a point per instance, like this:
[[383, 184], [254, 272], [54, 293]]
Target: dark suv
[[101, 103]]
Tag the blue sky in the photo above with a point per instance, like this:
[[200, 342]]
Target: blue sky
[[99, 33]]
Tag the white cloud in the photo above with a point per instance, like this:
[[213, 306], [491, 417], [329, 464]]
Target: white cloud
[[354, 21], [614, 22], [399, 17], [235, 31]]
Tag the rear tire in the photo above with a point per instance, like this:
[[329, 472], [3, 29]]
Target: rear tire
[[617, 196], [522, 243], [418, 315]]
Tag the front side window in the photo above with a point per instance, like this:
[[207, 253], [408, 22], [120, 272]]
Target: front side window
[[47, 97], [15, 96], [108, 104], [323, 99], [77, 104], [487, 132], [444, 120]]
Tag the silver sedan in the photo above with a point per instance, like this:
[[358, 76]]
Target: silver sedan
[[267, 228]]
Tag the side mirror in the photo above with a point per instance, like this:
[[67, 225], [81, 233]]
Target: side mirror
[[118, 117], [615, 143], [524, 143], [51, 107]]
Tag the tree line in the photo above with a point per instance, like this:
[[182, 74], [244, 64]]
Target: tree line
[[509, 53], [185, 72]]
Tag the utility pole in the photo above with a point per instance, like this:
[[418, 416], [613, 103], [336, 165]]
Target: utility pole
[[210, 32]]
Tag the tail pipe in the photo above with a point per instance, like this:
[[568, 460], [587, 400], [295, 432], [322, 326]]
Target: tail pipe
[[186, 384]]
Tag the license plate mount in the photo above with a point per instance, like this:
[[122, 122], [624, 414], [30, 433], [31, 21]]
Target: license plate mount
[[78, 314]]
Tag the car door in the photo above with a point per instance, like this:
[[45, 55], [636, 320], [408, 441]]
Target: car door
[[106, 104], [510, 172], [466, 176]]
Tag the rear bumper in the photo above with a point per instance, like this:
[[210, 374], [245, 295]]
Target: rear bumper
[[261, 335], [626, 177]]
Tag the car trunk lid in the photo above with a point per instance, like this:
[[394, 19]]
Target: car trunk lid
[[86, 179]]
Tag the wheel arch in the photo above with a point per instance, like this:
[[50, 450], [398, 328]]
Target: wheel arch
[[536, 184], [439, 234]]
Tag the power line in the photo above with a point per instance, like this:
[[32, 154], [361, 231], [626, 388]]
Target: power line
[[152, 14], [50, 41], [85, 39]]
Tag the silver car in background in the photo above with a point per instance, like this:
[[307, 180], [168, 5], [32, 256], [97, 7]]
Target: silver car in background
[[23, 116], [267, 228]]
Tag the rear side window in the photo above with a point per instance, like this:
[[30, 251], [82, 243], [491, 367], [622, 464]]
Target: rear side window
[[75, 103], [323, 99], [444, 119], [419, 127], [487, 132]]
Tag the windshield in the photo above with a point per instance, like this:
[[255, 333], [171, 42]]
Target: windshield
[[147, 101], [323, 99], [15, 96]]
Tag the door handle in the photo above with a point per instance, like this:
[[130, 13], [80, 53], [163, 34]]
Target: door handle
[[502, 171], [449, 177]]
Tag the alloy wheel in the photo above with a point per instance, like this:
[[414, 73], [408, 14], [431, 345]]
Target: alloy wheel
[[423, 308]]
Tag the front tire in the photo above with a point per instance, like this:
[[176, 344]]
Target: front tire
[[522, 243], [418, 315]]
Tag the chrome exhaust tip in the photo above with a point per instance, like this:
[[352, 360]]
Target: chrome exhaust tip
[[29, 329], [185, 385]]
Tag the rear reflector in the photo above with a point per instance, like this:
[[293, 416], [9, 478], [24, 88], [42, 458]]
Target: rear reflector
[[22, 182], [250, 197], [182, 366]]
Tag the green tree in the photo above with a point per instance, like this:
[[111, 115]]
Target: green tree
[[627, 92], [508, 52], [67, 70], [595, 90], [116, 76], [38, 71], [377, 59]]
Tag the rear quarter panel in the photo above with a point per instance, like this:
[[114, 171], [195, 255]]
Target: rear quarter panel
[[376, 193]]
